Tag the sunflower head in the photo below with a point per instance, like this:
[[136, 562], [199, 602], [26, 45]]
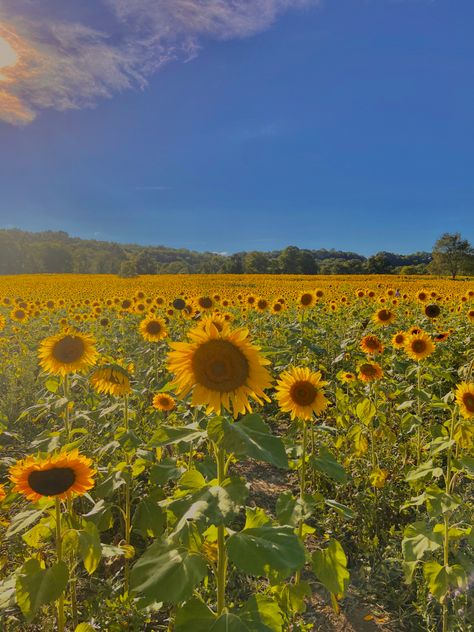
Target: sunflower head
[[419, 346], [371, 345], [465, 399], [68, 352], [111, 378], [384, 317], [223, 369], [432, 310], [164, 402], [347, 376], [153, 329], [370, 371], [399, 339], [299, 391], [61, 475], [306, 299]]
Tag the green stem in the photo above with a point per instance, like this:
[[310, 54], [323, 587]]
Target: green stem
[[302, 486], [127, 498], [448, 481], [418, 411], [59, 555], [221, 550]]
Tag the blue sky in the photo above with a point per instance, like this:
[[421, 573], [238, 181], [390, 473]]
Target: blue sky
[[341, 124]]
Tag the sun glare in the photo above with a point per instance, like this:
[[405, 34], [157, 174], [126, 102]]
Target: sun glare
[[8, 56]]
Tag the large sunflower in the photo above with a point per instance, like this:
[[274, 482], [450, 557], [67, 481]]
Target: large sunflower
[[62, 475], [68, 352], [432, 310], [371, 345], [153, 329], [384, 316], [111, 379], [399, 339], [465, 399], [370, 371], [306, 299], [419, 346], [299, 391], [223, 369]]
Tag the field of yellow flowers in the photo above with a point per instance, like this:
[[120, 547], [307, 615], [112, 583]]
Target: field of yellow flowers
[[236, 453]]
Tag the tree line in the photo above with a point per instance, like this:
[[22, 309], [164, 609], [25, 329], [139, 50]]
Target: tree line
[[23, 252]]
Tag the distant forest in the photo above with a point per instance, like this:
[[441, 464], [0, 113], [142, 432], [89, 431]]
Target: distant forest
[[24, 252]]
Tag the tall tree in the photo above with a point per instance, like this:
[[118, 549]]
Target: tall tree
[[452, 255]]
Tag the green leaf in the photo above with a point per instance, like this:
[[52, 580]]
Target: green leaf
[[192, 480], [261, 550], [425, 469], [149, 519], [194, 616], [441, 579], [330, 567], [439, 502], [109, 485], [168, 435], [36, 586], [100, 515], [166, 573], [262, 614], [84, 627], [342, 510], [229, 622], [465, 463], [23, 520], [366, 411], [165, 471], [327, 464], [213, 504], [251, 437], [292, 510], [292, 597], [52, 385], [89, 547], [419, 538], [256, 517]]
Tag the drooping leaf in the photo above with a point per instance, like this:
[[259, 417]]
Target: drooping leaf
[[166, 573], [419, 538], [89, 546], [441, 579], [261, 550], [326, 463], [149, 519], [36, 586], [330, 567], [168, 435]]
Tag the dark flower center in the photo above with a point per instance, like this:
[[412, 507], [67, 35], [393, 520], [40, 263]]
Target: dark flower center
[[52, 482]]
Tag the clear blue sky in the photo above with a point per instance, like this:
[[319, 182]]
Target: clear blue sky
[[343, 124]]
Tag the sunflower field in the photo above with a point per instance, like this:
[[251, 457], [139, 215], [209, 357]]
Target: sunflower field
[[236, 453]]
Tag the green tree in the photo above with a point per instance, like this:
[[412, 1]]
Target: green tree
[[452, 255]]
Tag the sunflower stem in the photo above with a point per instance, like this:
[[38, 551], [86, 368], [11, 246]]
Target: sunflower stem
[[448, 481], [302, 487], [127, 498], [418, 412], [59, 555], [221, 550]]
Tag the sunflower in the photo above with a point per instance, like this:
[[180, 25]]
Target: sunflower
[[205, 302], [299, 392], [223, 369], [153, 329], [470, 315], [432, 311], [60, 475], [306, 299], [179, 304], [465, 399], [347, 376], [370, 371], [384, 317], [67, 352], [19, 314], [111, 379], [419, 346], [262, 304], [441, 337], [399, 339], [371, 345], [163, 401], [216, 319], [277, 307]]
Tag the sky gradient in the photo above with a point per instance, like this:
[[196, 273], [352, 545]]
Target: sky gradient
[[250, 125]]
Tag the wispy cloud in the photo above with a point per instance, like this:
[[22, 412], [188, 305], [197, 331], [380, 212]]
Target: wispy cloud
[[68, 63]]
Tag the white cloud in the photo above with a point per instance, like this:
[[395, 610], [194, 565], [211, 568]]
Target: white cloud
[[70, 64]]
